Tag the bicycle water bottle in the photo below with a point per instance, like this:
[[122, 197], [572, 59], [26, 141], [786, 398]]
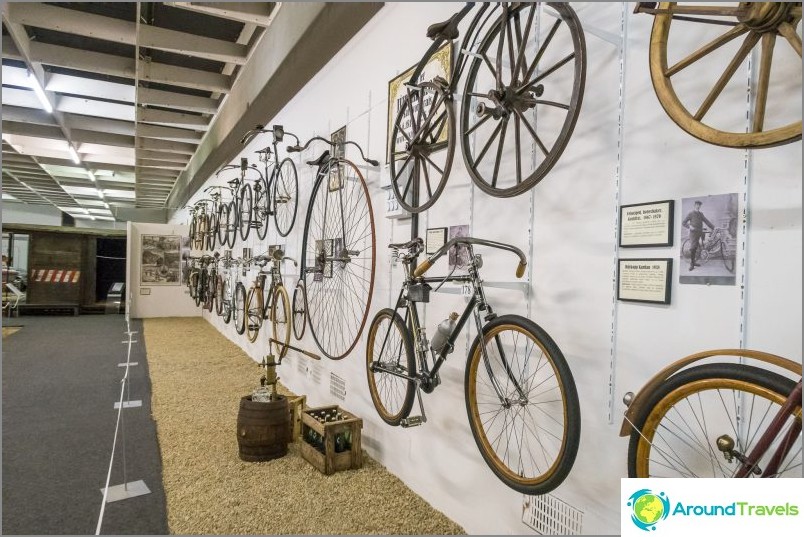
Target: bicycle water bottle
[[443, 332]]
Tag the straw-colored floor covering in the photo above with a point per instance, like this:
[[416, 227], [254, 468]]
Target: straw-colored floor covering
[[8, 330], [198, 377]]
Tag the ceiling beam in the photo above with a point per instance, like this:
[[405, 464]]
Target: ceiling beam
[[27, 115], [170, 133], [259, 13], [166, 145], [169, 99], [119, 31], [82, 60], [184, 77], [150, 115]]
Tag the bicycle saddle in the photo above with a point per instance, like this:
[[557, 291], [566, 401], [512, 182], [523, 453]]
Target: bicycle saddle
[[320, 160], [410, 244], [447, 29]]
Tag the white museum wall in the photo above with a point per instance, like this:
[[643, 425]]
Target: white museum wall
[[25, 213], [163, 300], [567, 228]]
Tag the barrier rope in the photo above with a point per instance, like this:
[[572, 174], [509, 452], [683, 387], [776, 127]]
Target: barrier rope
[[123, 385]]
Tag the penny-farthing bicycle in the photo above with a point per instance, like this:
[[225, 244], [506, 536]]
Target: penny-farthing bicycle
[[338, 254]]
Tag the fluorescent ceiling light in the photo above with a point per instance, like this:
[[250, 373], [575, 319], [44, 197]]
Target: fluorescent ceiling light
[[73, 154], [107, 205], [92, 176], [40, 93]]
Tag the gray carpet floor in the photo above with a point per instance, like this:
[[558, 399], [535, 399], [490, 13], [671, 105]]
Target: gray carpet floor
[[60, 382]]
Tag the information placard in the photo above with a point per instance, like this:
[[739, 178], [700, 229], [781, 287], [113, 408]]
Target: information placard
[[646, 224], [644, 280]]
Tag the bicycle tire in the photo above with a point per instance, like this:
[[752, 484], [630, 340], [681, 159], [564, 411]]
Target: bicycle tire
[[234, 223], [212, 283], [219, 295], [299, 310], [515, 182], [706, 378], [192, 283], [223, 224], [239, 308], [253, 314], [421, 157], [335, 329], [400, 341], [245, 213], [280, 320], [557, 384], [226, 301], [285, 196], [262, 209], [212, 231]]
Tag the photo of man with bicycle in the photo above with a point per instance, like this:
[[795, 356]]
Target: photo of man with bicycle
[[708, 248]]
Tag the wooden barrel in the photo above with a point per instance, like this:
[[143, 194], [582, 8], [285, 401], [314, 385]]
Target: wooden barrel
[[263, 429]]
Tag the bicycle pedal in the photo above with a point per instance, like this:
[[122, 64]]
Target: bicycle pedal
[[411, 421]]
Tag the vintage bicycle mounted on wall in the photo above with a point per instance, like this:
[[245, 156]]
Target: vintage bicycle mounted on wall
[[514, 57], [338, 253], [723, 419], [755, 23], [520, 395]]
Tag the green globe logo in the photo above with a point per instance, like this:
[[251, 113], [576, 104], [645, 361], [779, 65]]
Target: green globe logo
[[648, 508]]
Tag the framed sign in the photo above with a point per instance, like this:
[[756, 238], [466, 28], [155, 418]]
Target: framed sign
[[646, 224], [339, 138], [439, 64], [436, 238], [644, 280]]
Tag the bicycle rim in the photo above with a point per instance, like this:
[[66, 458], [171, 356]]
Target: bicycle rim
[[389, 345], [299, 310], [280, 320], [677, 433], [530, 443], [285, 196], [239, 310], [340, 258]]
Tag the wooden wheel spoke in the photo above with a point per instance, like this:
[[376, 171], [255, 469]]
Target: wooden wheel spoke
[[518, 149], [542, 49], [500, 45], [402, 168], [503, 130], [710, 47], [428, 119], [413, 176], [523, 42], [427, 180], [511, 60], [768, 42], [433, 164], [738, 59], [532, 132], [488, 64], [722, 11], [553, 103], [556, 66], [441, 122], [789, 32], [488, 144], [476, 125], [414, 126]]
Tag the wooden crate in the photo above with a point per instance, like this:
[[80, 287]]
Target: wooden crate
[[297, 404], [330, 461]]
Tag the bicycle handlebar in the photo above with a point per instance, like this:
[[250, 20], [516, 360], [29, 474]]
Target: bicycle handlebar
[[277, 130], [298, 149], [425, 265]]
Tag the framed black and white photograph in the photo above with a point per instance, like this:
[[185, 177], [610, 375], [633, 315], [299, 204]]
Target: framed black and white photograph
[[644, 280], [709, 229], [459, 254], [161, 260], [436, 238], [339, 138], [646, 224]]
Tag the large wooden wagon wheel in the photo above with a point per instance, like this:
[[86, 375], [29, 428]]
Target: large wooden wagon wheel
[[756, 24]]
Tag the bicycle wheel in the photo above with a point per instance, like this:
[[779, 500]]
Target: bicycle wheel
[[193, 225], [192, 283], [254, 314], [211, 287], [223, 223], [728, 261], [285, 196], [753, 23], [262, 210], [212, 231], [422, 146], [340, 259], [200, 232], [225, 300], [239, 308], [516, 85], [219, 295], [234, 223], [703, 255], [530, 438], [280, 320], [245, 214], [390, 347], [299, 310], [685, 249], [677, 432]]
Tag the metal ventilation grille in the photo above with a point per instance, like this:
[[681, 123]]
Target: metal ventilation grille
[[337, 387], [301, 366], [548, 515]]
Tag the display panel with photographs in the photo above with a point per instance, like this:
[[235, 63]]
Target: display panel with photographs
[[161, 260]]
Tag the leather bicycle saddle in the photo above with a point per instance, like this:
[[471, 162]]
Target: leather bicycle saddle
[[320, 160], [447, 29]]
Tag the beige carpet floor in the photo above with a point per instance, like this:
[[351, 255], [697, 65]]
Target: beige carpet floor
[[198, 377]]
